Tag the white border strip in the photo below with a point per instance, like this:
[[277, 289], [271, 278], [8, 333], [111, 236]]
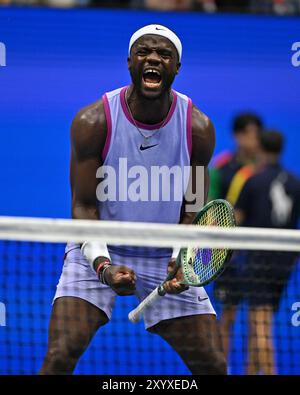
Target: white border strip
[[147, 234]]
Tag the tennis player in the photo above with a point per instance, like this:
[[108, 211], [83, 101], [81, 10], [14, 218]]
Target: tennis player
[[146, 124]]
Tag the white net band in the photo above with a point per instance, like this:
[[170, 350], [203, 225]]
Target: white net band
[[147, 234]]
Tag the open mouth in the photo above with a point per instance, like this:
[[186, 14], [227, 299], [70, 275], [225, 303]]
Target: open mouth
[[152, 78]]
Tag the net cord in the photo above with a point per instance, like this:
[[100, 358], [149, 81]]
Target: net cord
[[147, 234]]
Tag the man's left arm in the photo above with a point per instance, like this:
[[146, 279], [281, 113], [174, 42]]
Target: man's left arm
[[203, 144]]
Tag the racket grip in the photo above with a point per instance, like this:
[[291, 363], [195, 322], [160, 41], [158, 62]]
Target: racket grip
[[171, 275], [136, 314]]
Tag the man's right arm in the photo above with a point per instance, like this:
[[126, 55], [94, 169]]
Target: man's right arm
[[88, 135]]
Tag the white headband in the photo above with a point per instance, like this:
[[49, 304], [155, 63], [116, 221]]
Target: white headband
[[159, 30]]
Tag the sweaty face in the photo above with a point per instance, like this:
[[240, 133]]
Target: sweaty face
[[153, 65]]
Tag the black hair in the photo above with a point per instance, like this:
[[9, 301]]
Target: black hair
[[272, 141], [244, 119]]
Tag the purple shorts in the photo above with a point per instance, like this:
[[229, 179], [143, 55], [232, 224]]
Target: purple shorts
[[79, 280]]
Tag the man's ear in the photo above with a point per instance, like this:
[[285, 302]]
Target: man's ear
[[128, 62], [178, 67]]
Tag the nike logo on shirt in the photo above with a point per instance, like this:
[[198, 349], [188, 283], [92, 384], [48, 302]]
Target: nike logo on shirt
[[142, 148]]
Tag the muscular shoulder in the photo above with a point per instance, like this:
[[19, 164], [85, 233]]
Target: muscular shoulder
[[203, 137], [88, 130]]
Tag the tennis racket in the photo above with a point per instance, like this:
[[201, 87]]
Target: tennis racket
[[200, 266]]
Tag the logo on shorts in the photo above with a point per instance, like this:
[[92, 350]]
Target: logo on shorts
[[202, 299]]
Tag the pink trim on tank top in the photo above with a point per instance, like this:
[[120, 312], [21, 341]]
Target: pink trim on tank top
[[143, 125], [109, 126], [189, 126]]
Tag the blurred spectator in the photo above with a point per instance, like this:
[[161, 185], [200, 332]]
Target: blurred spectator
[[50, 3], [227, 177], [279, 7], [269, 199], [178, 5], [114, 3], [233, 5], [206, 5], [66, 3], [262, 6], [286, 7], [246, 129]]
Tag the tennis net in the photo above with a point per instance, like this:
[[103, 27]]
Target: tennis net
[[260, 287]]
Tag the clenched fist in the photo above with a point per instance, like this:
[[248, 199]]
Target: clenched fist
[[121, 279], [175, 286]]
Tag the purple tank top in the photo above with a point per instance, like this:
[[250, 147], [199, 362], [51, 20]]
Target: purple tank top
[[141, 177]]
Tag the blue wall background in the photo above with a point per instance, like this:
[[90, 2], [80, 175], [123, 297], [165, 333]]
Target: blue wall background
[[59, 61]]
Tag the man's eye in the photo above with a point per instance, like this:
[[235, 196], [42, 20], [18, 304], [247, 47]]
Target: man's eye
[[166, 55]]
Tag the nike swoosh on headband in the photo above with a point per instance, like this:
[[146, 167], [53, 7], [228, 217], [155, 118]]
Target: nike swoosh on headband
[[160, 30]]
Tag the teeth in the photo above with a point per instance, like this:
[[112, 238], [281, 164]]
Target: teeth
[[152, 71]]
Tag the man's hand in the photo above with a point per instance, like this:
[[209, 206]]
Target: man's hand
[[174, 286], [121, 279]]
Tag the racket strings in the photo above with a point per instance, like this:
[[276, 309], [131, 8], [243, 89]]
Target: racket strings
[[202, 264]]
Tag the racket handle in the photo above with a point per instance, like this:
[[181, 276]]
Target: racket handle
[[171, 275], [135, 315]]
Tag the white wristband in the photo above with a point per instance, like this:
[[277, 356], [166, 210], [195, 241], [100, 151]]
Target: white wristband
[[92, 250], [175, 252]]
